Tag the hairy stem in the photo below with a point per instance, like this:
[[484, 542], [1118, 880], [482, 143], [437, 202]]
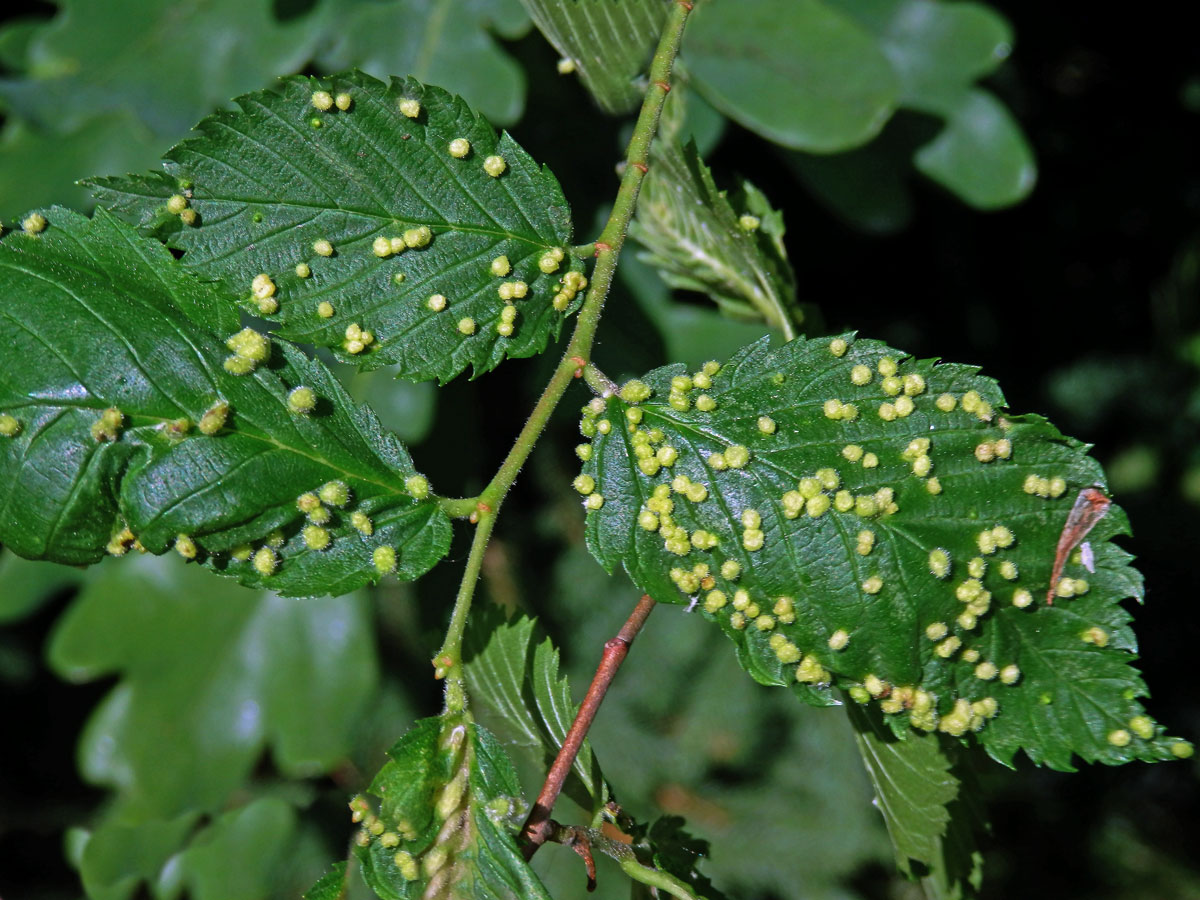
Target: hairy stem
[[538, 827], [607, 249]]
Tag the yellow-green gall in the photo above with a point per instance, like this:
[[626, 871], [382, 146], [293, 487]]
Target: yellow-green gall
[[817, 506], [839, 639], [418, 237], [647, 520], [108, 427], [1002, 536], [887, 412], [1182, 750], [736, 456], [176, 204], [1119, 737], [343, 101], [939, 563], [870, 461], [188, 217], [891, 385], [904, 406], [714, 601], [381, 247], [887, 366], [248, 344], [322, 248], [751, 223], [696, 492], [1010, 674], [873, 585], [935, 631], [1142, 726], [843, 501], [303, 270], [604, 426], [838, 347], [1095, 635], [34, 223], [9, 425], [635, 391], [362, 523], [410, 108], [914, 384], [852, 452], [302, 400], [495, 166], [436, 302], [185, 546], [335, 493], [321, 100], [752, 539], [593, 501], [667, 455], [585, 484], [459, 147], [766, 425], [214, 418], [417, 486], [986, 671], [1022, 598], [948, 647], [865, 542], [860, 375], [466, 325], [315, 537], [705, 403], [584, 452], [500, 266], [325, 309], [266, 561], [976, 567], [384, 559]]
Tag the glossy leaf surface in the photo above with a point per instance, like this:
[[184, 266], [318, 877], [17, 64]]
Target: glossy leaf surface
[[450, 808], [104, 323], [270, 182], [849, 516]]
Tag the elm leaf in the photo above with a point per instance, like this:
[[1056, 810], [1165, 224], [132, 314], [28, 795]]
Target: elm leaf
[[130, 429], [856, 518], [382, 210]]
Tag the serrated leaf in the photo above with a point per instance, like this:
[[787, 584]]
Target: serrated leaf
[[699, 240], [95, 57], [210, 676], [513, 674], [331, 886], [100, 318], [931, 823], [450, 809], [443, 42], [610, 43], [266, 185], [833, 546]]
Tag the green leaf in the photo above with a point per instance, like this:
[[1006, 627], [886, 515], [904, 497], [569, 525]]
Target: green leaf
[[450, 809], [938, 51], [801, 73], [701, 241], [512, 671], [331, 886], [28, 585], [805, 470], [929, 816], [117, 856], [241, 854], [132, 343], [610, 43], [210, 677], [98, 57], [266, 186], [444, 42]]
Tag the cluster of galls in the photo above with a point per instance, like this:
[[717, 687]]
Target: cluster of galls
[[442, 863]]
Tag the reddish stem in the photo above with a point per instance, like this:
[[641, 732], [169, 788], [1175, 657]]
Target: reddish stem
[[538, 827]]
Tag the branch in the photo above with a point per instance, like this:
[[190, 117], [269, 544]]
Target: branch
[[538, 827], [448, 661]]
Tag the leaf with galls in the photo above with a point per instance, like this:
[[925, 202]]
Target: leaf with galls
[[403, 194], [99, 456], [862, 541]]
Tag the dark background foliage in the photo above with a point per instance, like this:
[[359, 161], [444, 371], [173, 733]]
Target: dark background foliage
[[1083, 301]]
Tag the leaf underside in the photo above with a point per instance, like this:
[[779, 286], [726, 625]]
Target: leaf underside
[[270, 181], [450, 806], [848, 518], [609, 41], [100, 318], [699, 241]]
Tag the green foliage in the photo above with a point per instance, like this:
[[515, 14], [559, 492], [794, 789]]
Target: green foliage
[[858, 63], [135, 354], [608, 42], [881, 527], [450, 805], [516, 684], [266, 186], [442, 42], [699, 240]]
